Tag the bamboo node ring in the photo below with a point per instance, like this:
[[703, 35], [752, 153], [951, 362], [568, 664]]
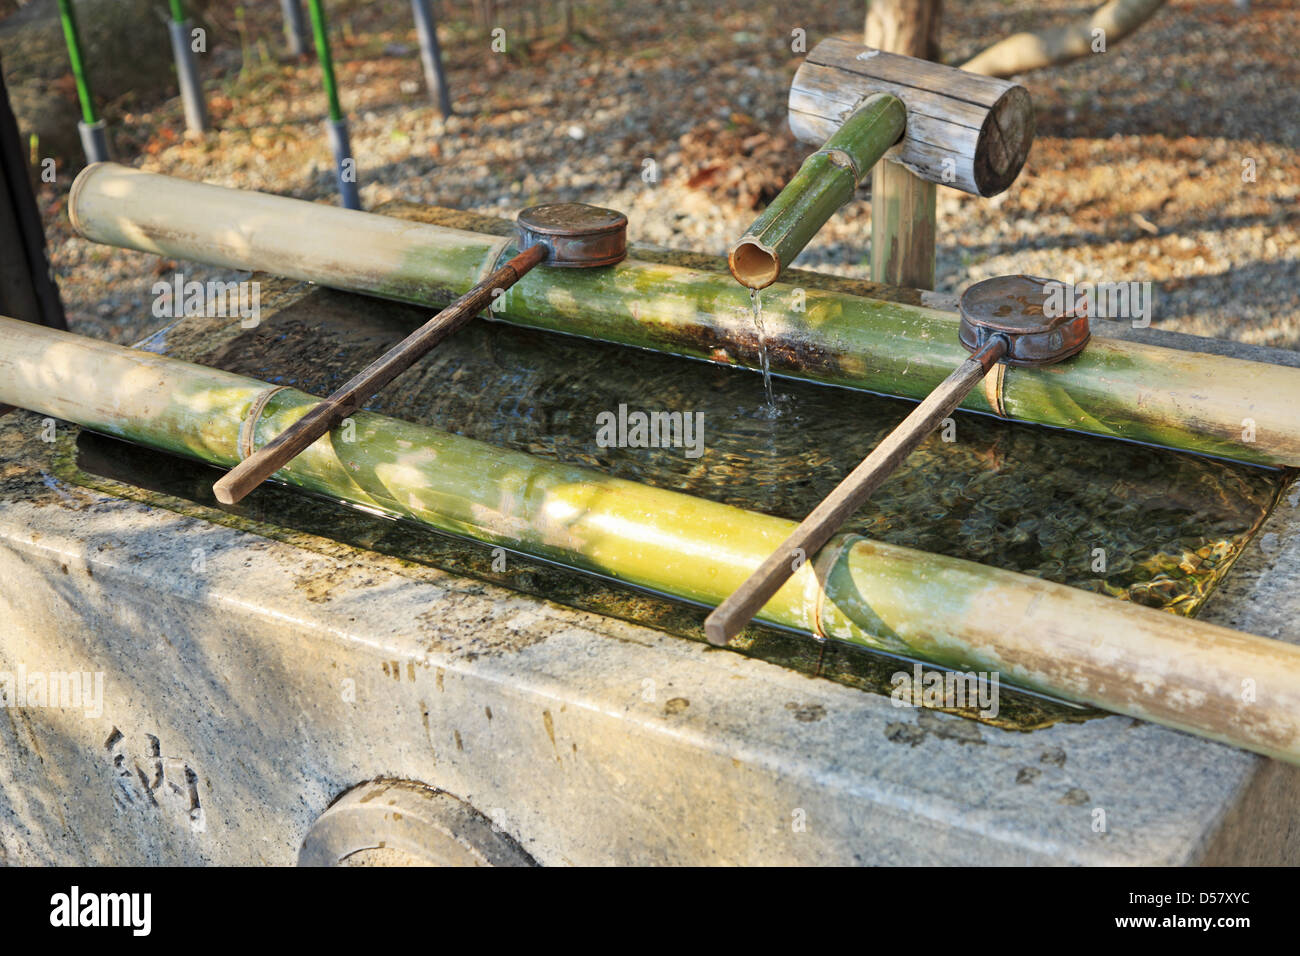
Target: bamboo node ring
[[823, 567], [248, 427], [994, 383], [841, 158]]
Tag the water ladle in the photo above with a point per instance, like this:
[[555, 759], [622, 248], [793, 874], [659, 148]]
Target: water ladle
[[564, 235], [1003, 319]]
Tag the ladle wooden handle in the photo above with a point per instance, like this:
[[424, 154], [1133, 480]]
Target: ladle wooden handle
[[849, 495], [363, 386]]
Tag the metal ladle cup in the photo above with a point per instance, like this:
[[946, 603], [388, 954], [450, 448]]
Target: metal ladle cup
[[567, 235]]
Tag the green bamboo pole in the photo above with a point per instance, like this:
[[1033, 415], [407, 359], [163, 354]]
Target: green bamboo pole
[[73, 39], [345, 169], [321, 33], [1203, 403], [824, 183], [91, 129], [1059, 640]]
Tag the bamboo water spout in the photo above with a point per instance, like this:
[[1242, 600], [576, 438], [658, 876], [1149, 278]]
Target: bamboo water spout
[[1112, 654], [950, 127], [824, 183], [1203, 403]]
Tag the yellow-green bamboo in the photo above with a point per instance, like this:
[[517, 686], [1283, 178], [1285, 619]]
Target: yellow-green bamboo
[[1203, 403], [824, 183], [1063, 641]]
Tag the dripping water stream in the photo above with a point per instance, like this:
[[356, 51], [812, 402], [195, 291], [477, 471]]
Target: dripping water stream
[[771, 410]]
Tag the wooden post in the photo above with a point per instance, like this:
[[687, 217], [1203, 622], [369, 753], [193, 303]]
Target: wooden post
[[902, 204]]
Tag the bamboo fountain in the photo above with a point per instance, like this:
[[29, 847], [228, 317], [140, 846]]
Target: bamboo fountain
[[1042, 636]]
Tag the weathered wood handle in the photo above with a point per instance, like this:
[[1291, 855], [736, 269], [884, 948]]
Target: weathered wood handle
[[293, 441], [849, 495]]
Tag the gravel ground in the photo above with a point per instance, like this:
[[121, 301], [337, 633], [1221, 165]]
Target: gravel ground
[[1136, 174]]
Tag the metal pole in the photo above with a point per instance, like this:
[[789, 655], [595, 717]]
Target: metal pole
[[345, 165], [187, 71], [295, 27], [94, 140], [431, 54]]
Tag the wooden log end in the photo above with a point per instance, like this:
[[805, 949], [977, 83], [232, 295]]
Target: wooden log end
[[1004, 141], [969, 132]]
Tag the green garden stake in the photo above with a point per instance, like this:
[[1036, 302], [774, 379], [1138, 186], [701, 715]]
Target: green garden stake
[[94, 139], [345, 165]]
